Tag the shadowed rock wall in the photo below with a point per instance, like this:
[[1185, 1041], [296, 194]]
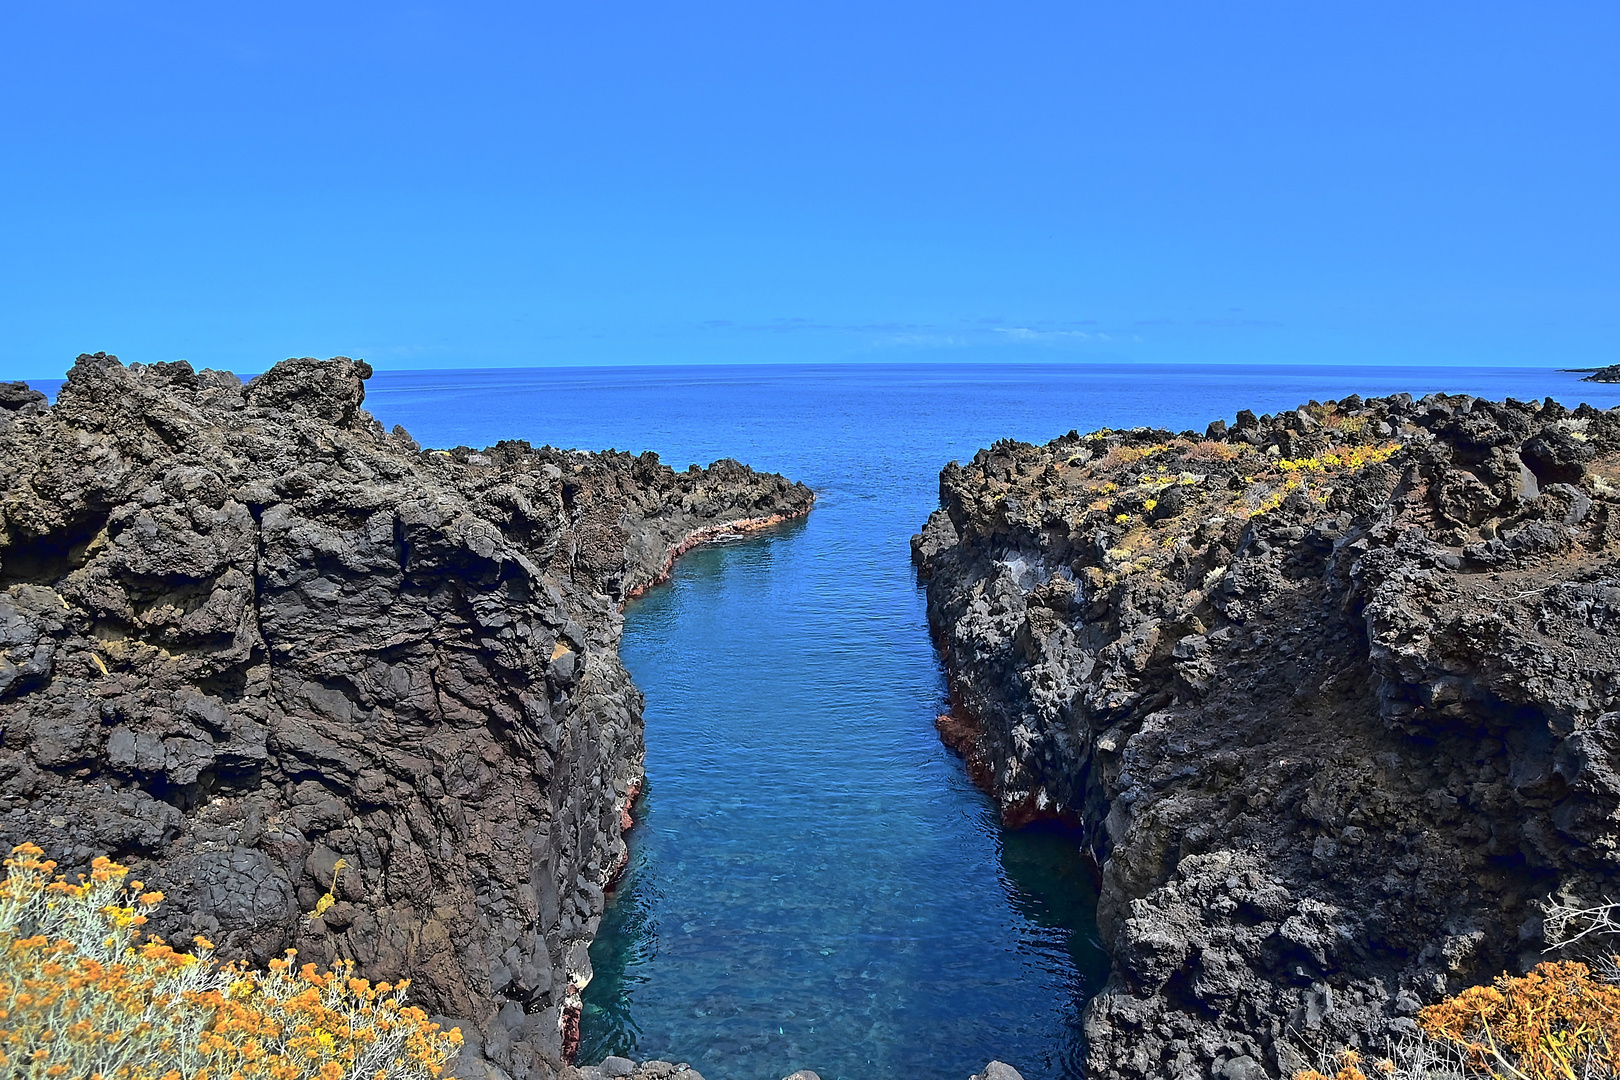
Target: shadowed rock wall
[[246, 634], [1332, 696]]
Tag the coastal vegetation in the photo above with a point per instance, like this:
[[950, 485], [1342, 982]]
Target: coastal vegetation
[[1559, 1021], [82, 996]]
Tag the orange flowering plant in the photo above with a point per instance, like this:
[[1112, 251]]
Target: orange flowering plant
[[1350, 1062], [1557, 1022], [82, 997]]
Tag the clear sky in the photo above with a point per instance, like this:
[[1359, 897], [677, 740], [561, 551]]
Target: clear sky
[[490, 184]]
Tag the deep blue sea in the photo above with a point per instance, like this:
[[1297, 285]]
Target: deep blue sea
[[814, 883]]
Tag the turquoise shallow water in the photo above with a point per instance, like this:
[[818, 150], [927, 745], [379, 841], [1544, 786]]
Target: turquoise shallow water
[[814, 883]]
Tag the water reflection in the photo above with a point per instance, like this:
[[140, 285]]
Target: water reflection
[[1052, 885]]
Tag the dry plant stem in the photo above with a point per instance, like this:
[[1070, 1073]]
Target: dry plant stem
[[1603, 919]]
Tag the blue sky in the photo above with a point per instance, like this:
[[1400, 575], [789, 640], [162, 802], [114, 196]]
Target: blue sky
[[491, 184]]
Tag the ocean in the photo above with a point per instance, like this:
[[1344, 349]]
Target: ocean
[[814, 883]]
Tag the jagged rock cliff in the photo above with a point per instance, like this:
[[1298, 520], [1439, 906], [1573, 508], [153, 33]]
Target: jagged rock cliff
[[1332, 696], [246, 634]]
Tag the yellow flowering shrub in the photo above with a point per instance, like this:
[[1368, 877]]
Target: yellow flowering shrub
[[1350, 425], [1254, 503], [1556, 1022], [82, 998], [1341, 457], [1559, 1022]]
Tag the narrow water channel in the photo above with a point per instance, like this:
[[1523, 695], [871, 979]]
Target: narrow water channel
[[814, 883]]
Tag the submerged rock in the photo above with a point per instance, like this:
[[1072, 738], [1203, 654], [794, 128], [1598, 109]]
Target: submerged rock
[[1333, 696], [998, 1070], [264, 651], [618, 1068]]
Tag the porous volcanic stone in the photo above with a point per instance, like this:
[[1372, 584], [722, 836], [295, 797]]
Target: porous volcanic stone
[[1331, 696]]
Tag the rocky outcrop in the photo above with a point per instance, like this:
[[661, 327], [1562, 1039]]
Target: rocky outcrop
[[1610, 374], [1331, 695], [259, 648]]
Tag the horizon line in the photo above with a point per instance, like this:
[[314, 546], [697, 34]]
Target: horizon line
[[384, 368]]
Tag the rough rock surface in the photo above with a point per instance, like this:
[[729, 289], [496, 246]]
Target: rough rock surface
[[246, 635], [1610, 374], [618, 1068], [1332, 696]]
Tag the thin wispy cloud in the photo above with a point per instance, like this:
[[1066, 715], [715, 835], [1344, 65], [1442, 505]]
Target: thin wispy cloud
[[951, 341], [1024, 333], [880, 335]]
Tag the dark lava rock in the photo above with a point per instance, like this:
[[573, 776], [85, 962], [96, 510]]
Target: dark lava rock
[[1333, 697], [248, 638], [15, 396], [1610, 374]]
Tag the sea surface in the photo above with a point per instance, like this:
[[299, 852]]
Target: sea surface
[[814, 883]]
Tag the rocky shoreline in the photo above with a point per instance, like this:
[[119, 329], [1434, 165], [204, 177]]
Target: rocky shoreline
[[262, 650], [1330, 695], [1609, 374]]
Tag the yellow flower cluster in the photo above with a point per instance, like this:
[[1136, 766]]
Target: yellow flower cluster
[[1350, 425], [329, 897], [1270, 501], [1156, 484], [82, 999], [1343, 457]]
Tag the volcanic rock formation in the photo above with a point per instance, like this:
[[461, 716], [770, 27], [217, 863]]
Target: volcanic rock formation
[[1331, 695], [259, 649]]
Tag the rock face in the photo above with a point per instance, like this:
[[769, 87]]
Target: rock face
[[1332, 696], [260, 649], [1610, 374]]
